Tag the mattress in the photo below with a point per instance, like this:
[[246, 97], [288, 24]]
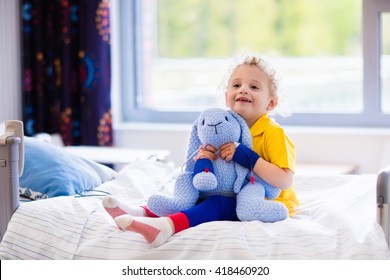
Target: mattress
[[336, 220]]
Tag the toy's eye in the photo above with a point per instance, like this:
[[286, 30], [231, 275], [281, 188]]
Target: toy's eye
[[203, 122], [226, 118]]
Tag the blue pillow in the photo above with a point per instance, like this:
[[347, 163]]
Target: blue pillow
[[52, 171]]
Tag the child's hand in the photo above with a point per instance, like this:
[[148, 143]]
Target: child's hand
[[227, 151], [206, 151]]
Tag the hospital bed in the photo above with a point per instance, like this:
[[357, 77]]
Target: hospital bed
[[340, 216]]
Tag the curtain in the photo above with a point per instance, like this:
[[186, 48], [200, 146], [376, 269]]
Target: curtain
[[66, 70]]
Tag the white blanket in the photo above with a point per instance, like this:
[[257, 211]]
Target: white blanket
[[336, 220]]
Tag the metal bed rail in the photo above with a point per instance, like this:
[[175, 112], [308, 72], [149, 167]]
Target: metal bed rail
[[383, 197]]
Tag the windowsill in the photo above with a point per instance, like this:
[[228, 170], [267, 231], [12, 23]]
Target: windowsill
[[311, 169], [329, 130], [365, 147], [113, 155], [149, 126], [318, 130]]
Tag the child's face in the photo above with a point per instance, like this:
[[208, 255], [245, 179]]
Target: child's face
[[249, 94]]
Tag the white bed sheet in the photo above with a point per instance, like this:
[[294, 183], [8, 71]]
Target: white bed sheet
[[337, 220]]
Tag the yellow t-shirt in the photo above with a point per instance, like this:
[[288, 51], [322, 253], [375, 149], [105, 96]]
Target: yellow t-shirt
[[274, 146]]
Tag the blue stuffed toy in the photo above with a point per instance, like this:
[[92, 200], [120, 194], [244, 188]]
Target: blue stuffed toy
[[215, 127]]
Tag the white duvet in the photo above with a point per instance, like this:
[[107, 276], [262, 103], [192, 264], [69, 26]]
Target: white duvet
[[336, 220]]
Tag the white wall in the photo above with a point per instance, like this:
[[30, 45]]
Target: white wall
[[367, 148], [10, 88]]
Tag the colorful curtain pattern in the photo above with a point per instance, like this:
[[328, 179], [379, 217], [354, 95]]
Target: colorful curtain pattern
[[66, 70]]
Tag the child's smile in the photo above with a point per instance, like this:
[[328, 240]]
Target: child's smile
[[243, 100]]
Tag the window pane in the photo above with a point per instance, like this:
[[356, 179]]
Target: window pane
[[315, 46], [385, 62]]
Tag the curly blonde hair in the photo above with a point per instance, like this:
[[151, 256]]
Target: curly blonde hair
[[251, 59]]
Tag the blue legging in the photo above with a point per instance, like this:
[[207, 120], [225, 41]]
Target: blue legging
[[213, 208]]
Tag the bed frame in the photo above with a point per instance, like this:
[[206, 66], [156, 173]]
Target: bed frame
[[11, 165], [383, 198]]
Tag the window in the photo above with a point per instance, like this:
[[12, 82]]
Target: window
[[173, 56], [385, 62]]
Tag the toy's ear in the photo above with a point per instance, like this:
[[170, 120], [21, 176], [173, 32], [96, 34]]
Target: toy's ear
[[242, 173], [193, 145], [246, 137]]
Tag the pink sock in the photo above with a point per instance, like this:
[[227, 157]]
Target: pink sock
[[149, 213], [115, 212], [150, 233], [156, 231], [116, 208]]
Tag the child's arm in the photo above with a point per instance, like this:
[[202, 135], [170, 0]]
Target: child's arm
[[281, 178]]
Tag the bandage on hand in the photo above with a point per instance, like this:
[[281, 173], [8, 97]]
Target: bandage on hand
[[245, 156]]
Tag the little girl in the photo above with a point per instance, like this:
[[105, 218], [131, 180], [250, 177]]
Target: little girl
[[251, 91]]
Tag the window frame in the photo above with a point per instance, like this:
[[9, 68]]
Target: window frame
[[129, 81]]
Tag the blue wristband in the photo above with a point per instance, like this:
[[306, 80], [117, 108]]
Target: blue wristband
[[203, 164], [245, 156]]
